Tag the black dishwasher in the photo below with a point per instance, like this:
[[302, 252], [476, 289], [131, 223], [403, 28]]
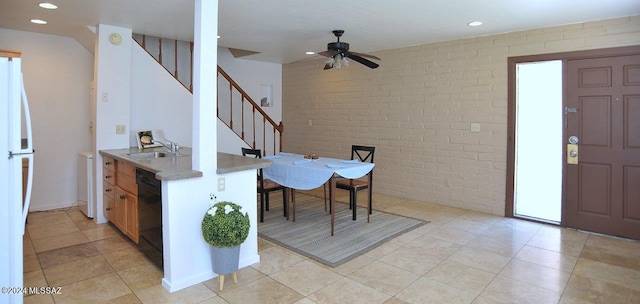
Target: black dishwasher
[[150, 216]]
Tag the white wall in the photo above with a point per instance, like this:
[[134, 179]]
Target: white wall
[[112, 77], [57, 74], [158, 101], [251, 74]]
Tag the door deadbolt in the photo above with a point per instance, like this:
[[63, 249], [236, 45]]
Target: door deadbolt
[[573, 139], [572, 154]]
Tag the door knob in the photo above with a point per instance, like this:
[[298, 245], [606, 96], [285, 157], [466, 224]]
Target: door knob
[[573, 153]]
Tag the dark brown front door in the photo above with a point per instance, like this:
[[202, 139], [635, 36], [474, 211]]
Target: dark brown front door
[[603, 111]]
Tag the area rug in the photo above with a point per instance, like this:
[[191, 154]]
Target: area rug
[[310, 234]]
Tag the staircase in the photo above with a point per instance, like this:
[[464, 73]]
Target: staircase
[[236, 109]]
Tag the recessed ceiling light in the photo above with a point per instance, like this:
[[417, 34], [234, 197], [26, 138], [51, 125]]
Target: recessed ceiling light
[[475, 23], [310, 53], [38, 21], [48, 5]]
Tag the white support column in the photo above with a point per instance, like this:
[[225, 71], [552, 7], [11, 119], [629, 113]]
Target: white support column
[[205, 80], [187, 258]]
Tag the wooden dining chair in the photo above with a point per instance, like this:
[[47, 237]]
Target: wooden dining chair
[[362, 154], [266, 186]]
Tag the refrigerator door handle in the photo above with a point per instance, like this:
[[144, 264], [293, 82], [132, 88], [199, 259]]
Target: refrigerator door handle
[[27, 119], [18, 109], [27, 195]]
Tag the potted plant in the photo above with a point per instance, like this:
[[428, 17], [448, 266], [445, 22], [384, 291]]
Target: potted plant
[[225, 227]]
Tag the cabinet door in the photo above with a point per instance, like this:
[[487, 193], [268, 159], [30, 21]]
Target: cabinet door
[[131, 217], [109, 204], [119, 212]]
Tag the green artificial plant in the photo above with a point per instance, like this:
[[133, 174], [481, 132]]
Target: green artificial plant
[[224, 225]]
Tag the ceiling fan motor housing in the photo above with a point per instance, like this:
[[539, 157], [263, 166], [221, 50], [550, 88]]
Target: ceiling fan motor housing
[[338, 46]]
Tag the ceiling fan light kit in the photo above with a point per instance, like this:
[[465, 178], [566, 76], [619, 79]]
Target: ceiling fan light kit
[[338, 53]]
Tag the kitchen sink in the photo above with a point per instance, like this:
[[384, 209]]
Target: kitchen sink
[[148, 155]]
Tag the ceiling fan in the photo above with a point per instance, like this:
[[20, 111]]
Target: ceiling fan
[[338, 52]]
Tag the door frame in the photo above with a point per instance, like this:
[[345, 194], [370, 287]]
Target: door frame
[[511, 112]]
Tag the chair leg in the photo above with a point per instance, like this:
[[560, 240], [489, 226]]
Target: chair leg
[[267, 200], [285, 203], [293, 203], [350, 199], [354, 198], [261, 207], [370, 201], [267, 195]]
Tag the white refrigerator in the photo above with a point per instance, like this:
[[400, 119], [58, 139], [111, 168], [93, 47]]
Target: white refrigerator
[[16, 146]]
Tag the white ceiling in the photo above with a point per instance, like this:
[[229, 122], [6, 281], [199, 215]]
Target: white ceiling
[[282, 30]]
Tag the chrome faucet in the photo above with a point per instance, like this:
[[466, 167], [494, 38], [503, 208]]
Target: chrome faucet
[[172, 146]]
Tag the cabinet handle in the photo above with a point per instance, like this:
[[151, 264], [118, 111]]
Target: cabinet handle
[[107, 190], [122, 196], [107, 177], [107, 163], [108, 209]]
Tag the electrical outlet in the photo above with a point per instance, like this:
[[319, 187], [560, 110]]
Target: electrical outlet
[[221, 184], [121, 129], [475, 127]]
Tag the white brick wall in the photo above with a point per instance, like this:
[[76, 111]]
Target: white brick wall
[[416, 108]]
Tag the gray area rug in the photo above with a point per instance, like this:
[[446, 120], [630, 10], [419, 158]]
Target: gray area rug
[[310, 234]]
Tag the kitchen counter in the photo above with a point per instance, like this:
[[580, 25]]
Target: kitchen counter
[[175, 168]]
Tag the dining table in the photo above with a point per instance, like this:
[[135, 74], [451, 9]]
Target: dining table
[[297, 172]]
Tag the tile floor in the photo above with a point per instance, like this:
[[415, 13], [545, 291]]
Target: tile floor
[[460, 257]]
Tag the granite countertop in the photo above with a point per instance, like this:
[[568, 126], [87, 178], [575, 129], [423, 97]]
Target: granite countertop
[[175, 168]]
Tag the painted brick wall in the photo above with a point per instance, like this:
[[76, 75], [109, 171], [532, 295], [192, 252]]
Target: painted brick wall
[[417, 107]]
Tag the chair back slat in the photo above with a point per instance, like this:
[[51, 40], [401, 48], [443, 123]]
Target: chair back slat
[[364, 153], [256, 153]]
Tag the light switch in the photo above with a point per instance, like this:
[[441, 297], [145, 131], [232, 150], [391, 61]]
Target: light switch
[[221, 184], [475, 127], [310, 122], [121, 129]]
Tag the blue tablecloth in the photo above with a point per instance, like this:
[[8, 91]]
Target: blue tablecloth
[[294, 171]]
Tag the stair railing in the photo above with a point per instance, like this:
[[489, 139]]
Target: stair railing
[[240, 113]]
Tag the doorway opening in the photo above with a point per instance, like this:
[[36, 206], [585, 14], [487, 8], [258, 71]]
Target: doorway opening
[[538, 141]]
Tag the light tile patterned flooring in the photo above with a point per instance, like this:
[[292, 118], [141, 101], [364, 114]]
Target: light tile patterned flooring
[[460, 257]]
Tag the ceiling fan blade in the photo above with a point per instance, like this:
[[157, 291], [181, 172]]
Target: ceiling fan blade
[[359, 59], [328, 53], [365, 55]]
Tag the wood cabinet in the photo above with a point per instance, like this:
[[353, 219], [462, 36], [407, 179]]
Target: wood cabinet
[[121, 196], [108, 187], [127, 213], [127, 199]]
